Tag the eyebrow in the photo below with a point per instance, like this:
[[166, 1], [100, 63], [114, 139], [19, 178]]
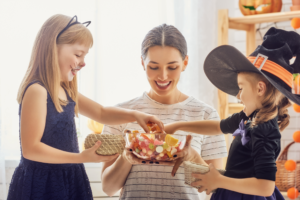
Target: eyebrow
[[167, 63]]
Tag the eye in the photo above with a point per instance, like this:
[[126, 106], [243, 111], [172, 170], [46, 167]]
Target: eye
[[153, 68], [172, 68], [240, 88], [77, 55]]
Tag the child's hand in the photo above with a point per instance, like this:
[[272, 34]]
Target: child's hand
[[208, 181], [89, 155], [171, 128], [142, 119]]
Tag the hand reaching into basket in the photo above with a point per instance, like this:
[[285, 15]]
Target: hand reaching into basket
[[89, 155]]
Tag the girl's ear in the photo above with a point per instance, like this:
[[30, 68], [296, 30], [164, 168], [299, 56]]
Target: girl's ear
[[142, 61], [185, 62], [261, 88]]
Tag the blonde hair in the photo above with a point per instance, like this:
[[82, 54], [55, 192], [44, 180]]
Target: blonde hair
[[44, 66], [274, 103]]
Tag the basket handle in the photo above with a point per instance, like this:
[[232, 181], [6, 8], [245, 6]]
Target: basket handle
[[283, 155]]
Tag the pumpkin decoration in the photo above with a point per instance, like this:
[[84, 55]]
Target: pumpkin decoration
[[295, 23], [95, 126], [290, 165], [253, 7], [296, 136], [292, 193]]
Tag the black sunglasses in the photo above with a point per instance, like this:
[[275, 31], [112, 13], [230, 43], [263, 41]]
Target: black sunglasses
[[71, 24]]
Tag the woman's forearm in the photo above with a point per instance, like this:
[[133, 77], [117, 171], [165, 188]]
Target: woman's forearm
[[195, 157], [114, 175], [205, 127], [251, 186]]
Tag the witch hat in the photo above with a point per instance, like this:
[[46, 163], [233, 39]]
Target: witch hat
[[271, 59]]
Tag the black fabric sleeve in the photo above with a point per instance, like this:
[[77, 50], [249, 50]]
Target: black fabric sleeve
[[265, 142], [230, 124]]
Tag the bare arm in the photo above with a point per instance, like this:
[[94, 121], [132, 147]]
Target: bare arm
[[114, 175], [252, 186], [218, 163], [33, 120], [204, 127], [114, 115]]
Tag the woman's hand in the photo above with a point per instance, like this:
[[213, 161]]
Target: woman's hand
[[143, 119], [132, 159], [187, 154], [90, 155], [171, 128], [208, 181]]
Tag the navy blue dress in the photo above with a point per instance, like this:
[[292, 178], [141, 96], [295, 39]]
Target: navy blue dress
[[252, 153], [42, 181]]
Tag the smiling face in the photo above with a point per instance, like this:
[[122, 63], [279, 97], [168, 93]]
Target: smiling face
[[71, 59], [163, 66], [251, 92]]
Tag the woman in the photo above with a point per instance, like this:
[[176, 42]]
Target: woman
[[164, 57]]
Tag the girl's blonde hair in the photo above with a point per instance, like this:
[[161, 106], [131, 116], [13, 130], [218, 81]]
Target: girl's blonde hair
[[274, 104], [44, 66]]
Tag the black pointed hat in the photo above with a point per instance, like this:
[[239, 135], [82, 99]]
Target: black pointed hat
[[271, 59]]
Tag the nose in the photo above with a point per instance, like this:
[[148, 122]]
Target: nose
[[163, 75], [238, 96]]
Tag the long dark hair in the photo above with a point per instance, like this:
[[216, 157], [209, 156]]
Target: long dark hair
[[164, 35]]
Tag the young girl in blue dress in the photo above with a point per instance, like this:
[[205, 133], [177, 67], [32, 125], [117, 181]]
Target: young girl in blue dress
[[263, 83], [51, 164]]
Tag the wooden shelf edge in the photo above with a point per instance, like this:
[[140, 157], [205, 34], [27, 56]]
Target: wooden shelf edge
[[263, 18], [235, 108]]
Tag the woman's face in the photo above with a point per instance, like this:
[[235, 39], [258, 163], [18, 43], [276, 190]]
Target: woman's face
[[71, 59], [251, 93], [163, 66]]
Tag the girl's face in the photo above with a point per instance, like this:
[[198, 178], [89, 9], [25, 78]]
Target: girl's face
[[71, 59], [163, 66], [251, 92]]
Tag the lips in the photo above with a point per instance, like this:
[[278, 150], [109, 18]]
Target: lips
[[163, 85]]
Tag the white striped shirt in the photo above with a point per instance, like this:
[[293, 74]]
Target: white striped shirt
[[155, 181]]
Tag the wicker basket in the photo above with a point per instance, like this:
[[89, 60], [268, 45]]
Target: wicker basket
[[285, 179], [191, 167], [110, 144]]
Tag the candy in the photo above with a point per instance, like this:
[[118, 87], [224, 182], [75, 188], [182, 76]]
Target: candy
[[161, 155], [157, 142], [170, 140], [174, 150], [137, 150], [159, 149], [158, 157], [144, 150], [169, 154], [149, 153], [151, 146]]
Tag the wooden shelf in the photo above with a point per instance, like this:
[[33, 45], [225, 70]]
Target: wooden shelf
[[234, 108], [264, 18]]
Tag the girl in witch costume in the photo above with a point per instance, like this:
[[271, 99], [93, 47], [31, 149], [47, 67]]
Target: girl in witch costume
[[263, 83]]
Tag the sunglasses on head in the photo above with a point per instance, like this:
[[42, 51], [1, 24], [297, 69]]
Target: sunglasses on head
[[71, 24]]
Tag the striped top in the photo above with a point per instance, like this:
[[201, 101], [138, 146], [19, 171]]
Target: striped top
[[155, 181]]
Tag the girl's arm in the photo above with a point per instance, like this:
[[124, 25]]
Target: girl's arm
[[33, 120], [205, 127], [252, 186], [114, 115]]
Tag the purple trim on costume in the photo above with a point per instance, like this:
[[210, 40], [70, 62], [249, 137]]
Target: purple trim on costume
[[242, 131]]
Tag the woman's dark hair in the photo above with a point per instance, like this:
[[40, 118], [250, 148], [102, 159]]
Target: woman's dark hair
[[164, 35]]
